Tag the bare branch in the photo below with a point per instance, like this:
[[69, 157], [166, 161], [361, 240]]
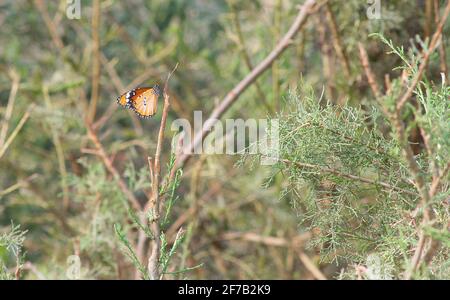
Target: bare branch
[[9, 107], [40, 5], [154, 202], [370, 76], [337, 42], [305, 10], [110, 167], [312, 268], [13, 135], [95, 60]]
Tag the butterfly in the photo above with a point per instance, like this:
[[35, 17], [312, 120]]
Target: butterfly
[[143, 101]]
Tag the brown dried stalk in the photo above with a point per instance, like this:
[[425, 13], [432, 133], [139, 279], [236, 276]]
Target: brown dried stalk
[[370, 76], [95, 60], [154, 204], [337, 43], [9, 107], [13, 135], [110, 167], [18, 185], [295, 241], [49, 24], [310, 266]]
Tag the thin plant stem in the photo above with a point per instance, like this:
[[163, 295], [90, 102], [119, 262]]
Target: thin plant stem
[[9, 107], [153, 205], [13, 135], [337, 42], [95, 60]]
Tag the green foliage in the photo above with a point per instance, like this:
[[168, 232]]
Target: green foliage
[[172, 198], [11, 245], [369, 212], [129, 251], [350, 216], [165, 254]]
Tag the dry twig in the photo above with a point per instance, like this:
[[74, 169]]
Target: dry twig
[[154, 204], [9, 107], [312, 268], [337, 42], [110, 167], [13, 135], [370, 76], [95, 60]]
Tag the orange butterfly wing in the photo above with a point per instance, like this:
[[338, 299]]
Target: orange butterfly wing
[[144, 102], [125, 99]]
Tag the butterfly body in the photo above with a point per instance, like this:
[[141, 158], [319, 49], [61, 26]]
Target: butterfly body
[[143, 101]]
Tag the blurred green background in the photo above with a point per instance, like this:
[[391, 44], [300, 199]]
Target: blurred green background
[[238, 226]]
